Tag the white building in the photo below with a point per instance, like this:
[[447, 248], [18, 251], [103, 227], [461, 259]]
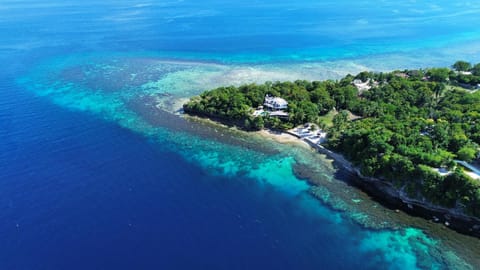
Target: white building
[[280, 114], [275, 103], [362, 86]]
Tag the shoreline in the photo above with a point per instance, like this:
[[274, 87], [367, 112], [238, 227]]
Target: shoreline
[[384, 191], [282, 137], [341, 191]]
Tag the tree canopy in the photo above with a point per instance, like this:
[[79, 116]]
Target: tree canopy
[[462, 66], [411, 122]]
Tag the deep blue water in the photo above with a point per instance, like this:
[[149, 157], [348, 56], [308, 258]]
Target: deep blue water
[[79, 193], [84, 187]]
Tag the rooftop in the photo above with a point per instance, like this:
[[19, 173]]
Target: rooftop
[[275, 102], [364, 86], [279, 114]]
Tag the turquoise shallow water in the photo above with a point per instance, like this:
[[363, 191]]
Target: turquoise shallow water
[[83, 83], [83, 101]]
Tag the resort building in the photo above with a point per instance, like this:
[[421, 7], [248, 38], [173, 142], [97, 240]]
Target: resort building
[[275, 103], [362, 86], [280, 114], [272, 106]]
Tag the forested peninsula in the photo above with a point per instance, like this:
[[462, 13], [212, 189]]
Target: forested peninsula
[[417, 130]]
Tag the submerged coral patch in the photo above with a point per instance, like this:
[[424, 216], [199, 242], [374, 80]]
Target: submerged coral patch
[[106, 87]]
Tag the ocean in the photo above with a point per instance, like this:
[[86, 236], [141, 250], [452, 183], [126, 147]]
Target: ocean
[[98, 172]]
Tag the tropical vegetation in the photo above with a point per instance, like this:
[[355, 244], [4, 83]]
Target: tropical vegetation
[[410, 124]]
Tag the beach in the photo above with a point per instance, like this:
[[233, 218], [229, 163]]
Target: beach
[[282, 137]]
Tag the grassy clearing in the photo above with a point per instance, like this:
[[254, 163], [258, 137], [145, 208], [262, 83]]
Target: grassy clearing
[[328, 118]]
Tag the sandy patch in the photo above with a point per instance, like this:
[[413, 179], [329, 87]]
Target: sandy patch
[[282, 137]]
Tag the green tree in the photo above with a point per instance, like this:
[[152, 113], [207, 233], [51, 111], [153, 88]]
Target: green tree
[[476, 70], [322, 98], [467, 153], [440, 135], [462, 66], [340, 121], [438, 89], [439, 74], [258, 123]]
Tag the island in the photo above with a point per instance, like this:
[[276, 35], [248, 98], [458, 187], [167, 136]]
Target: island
[[412, 136]]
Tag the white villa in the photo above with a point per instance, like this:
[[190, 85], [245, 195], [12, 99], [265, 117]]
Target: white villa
[[362, 86], [272, 106], [275, 103]]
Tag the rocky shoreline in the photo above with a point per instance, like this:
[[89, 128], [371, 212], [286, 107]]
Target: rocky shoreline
[[385, 192]]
